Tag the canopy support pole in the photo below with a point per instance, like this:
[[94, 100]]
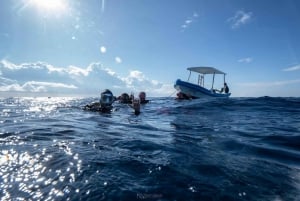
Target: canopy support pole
[[213, 81], [189, 76]]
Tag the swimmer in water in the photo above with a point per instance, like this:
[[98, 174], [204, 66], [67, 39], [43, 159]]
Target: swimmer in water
[[105, 103]]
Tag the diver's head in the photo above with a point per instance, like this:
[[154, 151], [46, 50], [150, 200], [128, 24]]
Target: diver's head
[[142, 96], [107, 98], [124, 98]]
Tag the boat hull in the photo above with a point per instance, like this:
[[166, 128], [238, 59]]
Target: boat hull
[[197, 91]]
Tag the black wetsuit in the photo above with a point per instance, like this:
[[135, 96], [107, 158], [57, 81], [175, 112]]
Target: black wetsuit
[[144, 101], [226, 89], [97, 107]]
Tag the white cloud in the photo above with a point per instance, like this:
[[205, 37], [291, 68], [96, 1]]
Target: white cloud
[[76, 71], [240, 18], [133, 77], [33, 86], [103, 49], [8, 64], [5, 81], [246, 60], [135, 74], [109, 71], [11, 87], [293, 68], [164, 90], [44, 78], [118, 60], [187, 23]]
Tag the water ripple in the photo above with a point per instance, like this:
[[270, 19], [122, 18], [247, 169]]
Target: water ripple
[[232, 149]]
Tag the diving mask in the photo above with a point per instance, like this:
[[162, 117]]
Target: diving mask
[[106, 99]]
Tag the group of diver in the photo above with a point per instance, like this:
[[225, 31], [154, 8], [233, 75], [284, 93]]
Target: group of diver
[[107, 98]]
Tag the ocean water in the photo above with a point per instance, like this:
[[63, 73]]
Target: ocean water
[[224, 149]]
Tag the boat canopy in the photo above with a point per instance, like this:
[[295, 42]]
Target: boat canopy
[[206, 70]]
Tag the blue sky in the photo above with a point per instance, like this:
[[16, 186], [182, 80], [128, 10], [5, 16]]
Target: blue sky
[[80, 47]]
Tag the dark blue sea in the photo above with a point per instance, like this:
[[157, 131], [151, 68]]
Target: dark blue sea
[[224, 149]]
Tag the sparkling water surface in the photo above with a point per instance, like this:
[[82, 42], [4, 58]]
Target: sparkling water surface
[[209, 149]]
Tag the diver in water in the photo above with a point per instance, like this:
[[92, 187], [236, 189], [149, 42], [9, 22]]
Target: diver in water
[[183, 96], [105, 103], [136, 106], [130, 101], [142, 97], [125, 98]]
